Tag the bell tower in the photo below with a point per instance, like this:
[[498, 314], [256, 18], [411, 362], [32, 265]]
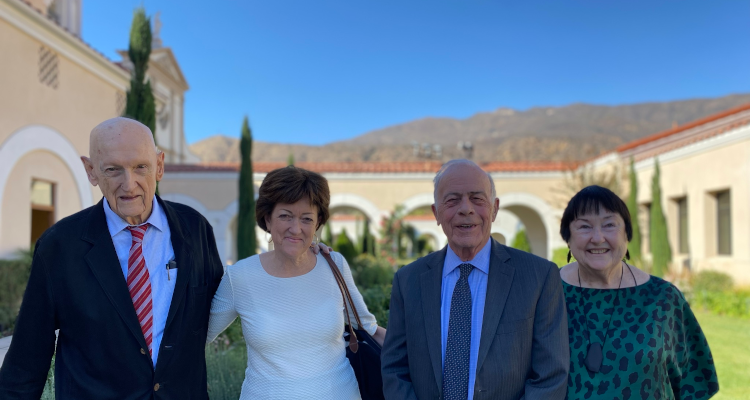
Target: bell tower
[[67, 13]]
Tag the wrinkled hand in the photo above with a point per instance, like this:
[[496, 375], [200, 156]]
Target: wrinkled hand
[[321, 247]]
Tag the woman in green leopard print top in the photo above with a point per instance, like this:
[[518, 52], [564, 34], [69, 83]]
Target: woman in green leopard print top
[[632, 335]]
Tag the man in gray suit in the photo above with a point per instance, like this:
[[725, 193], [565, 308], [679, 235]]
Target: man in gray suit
[[476, 320]]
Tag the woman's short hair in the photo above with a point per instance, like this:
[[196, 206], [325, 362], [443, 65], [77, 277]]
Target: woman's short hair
[[290, 185], [589, 200]]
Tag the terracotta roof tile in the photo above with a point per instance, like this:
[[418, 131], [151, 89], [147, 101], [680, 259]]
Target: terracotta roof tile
[[430, 167], [682, 128]]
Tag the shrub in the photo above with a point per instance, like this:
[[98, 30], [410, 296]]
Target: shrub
[[14, 274], [734, 303], [521, 241], [345, 246], [560, 256], [378, 300], [225, 370], [369, 271], [712, 281]]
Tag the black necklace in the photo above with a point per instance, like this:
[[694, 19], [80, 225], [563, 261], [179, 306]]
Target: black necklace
[[594, 355]]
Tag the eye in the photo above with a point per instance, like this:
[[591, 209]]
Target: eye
[[307, 220], [284, 217]]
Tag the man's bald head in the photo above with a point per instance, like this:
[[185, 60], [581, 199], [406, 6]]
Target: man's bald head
[[119, 128], [126, 165]]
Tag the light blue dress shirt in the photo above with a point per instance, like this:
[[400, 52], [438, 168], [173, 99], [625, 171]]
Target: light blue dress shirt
[[478, 288], [157, 251]]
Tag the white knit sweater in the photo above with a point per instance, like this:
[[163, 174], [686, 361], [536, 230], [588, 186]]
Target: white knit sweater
[[293, 330]]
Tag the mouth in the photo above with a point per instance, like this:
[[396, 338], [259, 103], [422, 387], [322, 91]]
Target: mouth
[[465, 227], [294, 239], [598, 251], [128, 198]]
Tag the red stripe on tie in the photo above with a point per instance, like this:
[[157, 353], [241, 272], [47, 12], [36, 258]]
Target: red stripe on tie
[[139, 283]]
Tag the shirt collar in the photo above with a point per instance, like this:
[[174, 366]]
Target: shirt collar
[[116, 224], [481, 260]]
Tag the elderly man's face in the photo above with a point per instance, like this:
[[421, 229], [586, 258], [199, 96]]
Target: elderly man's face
[[465, 209], [125, 166]]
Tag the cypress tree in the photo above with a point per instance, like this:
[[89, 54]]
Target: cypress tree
[[521, 241], [635, 244], [658, 239], [327, 236], [366, 238], [346, 247], [140, 104], [246, 243], [290, 159]]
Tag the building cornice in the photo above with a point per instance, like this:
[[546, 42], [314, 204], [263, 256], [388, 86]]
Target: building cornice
[[31, 22]]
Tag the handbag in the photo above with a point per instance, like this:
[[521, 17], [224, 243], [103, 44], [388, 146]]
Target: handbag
[[363, 351]]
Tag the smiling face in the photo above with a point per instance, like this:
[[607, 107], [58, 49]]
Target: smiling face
[[125, 165], [465, 209], [598, 240], [292, 227]]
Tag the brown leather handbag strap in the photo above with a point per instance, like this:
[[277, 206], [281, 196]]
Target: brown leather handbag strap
[[353, 344]]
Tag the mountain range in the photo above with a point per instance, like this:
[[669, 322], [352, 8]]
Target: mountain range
[[568, 133]]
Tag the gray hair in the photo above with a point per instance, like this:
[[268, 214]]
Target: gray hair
[[451, 163]]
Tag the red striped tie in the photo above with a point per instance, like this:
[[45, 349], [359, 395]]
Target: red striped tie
[[139, 283]]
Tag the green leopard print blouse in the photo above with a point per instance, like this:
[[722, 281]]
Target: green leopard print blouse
[[655, 348]]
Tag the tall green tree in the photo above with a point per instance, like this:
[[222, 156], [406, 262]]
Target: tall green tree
[[140, 103], [658, 239], [327, 236], [290, 159], [635, 244], [521, 241], [246, 241], [346, 247]]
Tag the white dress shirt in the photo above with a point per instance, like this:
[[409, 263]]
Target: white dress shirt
[[157, 252]]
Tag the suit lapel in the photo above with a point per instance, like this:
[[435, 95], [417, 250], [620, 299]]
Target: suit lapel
[[431, 284], [104, 264], [183, 257], [499, 281]]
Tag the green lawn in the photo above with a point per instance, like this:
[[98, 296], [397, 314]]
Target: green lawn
[[729, 339]]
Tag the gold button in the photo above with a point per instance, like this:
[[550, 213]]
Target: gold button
[[143, 351], [156, 387]]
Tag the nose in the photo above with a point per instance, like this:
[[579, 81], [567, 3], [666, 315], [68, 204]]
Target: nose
[[129, 181], [294, 227], [596, 235], [466, 207]]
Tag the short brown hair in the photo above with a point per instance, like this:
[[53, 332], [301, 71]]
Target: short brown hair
[[290, 185]]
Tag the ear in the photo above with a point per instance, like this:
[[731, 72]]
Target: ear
[[89, 167], [495, 208], [435, 213], [159, 166]]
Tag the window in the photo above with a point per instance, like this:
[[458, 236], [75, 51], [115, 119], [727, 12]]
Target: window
[[724, 223], [682, 225], [42, 208]]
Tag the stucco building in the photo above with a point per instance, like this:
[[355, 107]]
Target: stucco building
[[56, 88]]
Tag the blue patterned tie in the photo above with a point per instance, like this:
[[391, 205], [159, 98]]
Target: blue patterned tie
[[456, 369]]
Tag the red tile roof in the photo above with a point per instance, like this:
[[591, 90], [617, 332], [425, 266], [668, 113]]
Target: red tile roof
[[373, 167], [682, 128]]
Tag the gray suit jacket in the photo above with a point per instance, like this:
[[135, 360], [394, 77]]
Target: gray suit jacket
[[523, 350]]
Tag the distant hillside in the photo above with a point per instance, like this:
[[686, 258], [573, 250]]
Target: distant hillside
[[573, 132]]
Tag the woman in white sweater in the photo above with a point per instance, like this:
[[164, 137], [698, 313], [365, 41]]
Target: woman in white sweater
[[290, 293]]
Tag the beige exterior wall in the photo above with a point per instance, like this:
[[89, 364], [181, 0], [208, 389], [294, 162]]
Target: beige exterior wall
[[16, 201], [698, 176]]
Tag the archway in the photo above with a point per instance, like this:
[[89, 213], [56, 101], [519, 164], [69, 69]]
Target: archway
[[41, 138], [539, 219]]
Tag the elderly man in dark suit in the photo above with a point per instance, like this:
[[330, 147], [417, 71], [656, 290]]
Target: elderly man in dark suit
[[476, 320], [128, 283]]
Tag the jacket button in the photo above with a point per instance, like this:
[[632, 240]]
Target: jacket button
[[156, 387], [143, 351]]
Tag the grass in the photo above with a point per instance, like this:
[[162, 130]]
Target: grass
[[728, 338]]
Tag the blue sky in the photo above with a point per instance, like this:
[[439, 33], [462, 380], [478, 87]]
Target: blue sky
[[314, 72]]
